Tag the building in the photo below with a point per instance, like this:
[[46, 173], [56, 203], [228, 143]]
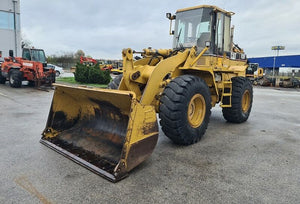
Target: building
[[10, 32], [281, 64]]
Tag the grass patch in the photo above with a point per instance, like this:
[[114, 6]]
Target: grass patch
[[67, 79], [71, 80]]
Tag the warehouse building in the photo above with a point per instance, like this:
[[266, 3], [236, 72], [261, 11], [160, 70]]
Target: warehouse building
[[10, 32], [282, 64]]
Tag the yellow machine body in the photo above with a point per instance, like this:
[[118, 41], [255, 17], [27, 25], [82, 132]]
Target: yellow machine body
[[116, 71], [217, 72], [260, 73]]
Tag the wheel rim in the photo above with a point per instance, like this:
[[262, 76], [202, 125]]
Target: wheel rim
[[246, 101], [11, 80], [196, 110]]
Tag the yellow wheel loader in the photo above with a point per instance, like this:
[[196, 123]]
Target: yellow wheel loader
[[111, 131], [254, 73]]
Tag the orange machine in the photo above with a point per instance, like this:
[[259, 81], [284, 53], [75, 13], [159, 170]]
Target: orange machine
[[31, 66], [87, 61]]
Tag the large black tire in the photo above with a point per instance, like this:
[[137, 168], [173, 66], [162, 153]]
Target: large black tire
[[15, 78], [2, 78], [185, 108], [53, 78], [114, 84], [241, 101]]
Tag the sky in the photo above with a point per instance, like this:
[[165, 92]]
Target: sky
[[103, 28]]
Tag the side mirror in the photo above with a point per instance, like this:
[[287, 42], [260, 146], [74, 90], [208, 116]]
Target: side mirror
[[169, 15]]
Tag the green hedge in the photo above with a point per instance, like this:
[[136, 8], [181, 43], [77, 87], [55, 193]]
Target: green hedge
[[91, 74]]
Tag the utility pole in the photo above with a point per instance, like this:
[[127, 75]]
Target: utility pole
[[276, 48]]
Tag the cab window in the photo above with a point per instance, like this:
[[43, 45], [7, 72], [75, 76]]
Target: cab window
[[26, 54]]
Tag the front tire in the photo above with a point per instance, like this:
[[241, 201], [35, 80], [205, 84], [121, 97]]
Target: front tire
[[53, 78], [242, 97], [15, 78], [185, 109]]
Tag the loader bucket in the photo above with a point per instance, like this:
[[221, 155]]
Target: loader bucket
[[107, 131]]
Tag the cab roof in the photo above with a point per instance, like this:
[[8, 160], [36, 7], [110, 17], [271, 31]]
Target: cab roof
[[206, 6]]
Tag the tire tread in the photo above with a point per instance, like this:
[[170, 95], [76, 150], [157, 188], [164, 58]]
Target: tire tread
[[173, 99], [234, 114]]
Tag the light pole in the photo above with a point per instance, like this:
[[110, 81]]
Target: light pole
[[276, 48]]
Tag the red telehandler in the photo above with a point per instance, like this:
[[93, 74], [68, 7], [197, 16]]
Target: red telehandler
[[32, 67]]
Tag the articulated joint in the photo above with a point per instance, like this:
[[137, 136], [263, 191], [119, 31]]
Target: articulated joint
[[135, 75]]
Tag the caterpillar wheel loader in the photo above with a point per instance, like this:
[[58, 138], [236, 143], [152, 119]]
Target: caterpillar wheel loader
[[111, 131], [254, 73]]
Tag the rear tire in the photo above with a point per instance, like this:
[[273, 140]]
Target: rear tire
[[185, 109], [242, 97], [114, 84], [15, 78]]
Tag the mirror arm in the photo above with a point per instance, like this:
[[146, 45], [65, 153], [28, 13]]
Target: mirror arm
[[170, 31]]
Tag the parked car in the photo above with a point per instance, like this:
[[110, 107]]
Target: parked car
[[59, 70]]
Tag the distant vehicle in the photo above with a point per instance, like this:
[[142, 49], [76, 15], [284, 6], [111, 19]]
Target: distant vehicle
[[59, 70], [290, 83]]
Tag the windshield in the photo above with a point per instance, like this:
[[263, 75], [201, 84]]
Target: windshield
[[192, 28], [38, 55]]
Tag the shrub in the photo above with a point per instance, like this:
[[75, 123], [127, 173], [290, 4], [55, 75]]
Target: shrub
[[95, 75], [106, 77], [81, 73], [91, 74]]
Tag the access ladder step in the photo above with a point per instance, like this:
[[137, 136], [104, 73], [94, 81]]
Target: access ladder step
[[227, 94], [225, 106]]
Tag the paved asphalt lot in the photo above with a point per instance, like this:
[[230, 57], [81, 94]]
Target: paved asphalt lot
[[254, 162]]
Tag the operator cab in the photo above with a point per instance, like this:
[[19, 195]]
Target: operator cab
[[203, 26], [37, 55]]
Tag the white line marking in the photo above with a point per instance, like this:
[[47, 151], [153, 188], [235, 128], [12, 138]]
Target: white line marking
[[1, 94]]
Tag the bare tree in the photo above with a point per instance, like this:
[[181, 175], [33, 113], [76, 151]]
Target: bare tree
[[78, 54]]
